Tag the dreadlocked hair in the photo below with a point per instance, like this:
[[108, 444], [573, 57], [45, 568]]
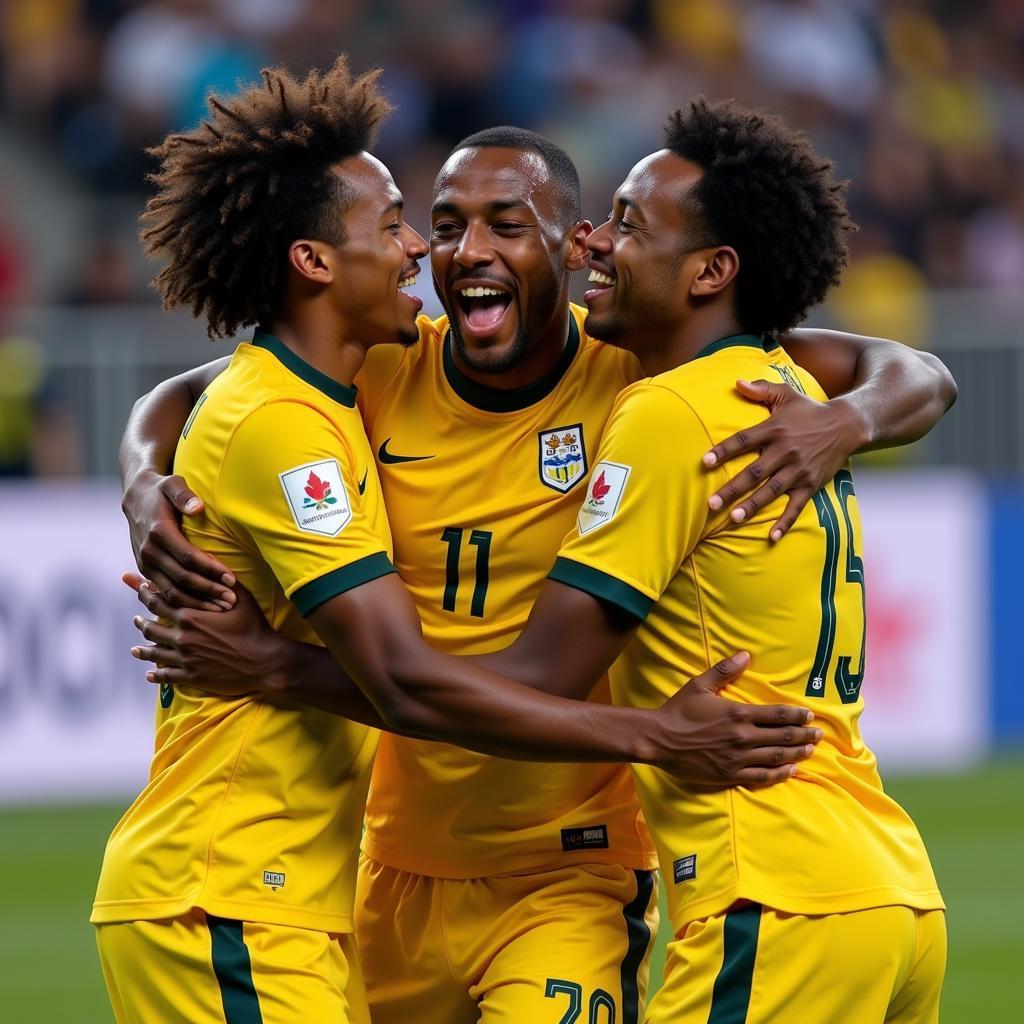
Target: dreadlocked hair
[[766, 193], [233, 193]]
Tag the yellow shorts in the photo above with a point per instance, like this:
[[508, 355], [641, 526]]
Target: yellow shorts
[[210, 970], [564, 945], [754, 965]]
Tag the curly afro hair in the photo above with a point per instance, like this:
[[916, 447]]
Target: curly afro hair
[[769, 196], [233, 193]]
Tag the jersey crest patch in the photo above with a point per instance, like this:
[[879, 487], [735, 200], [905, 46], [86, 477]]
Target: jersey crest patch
[[563, 457], [604, 494], [317, 498]]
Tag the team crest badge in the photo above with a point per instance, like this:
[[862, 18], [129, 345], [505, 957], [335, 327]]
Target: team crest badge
[[563, 457], [317, 498]]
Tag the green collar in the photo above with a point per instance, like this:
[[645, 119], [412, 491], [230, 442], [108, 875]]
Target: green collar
[[496, 400], [341, 393], [733, 341]]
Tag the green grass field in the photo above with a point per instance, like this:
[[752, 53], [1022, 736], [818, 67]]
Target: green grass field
[[972, 823]]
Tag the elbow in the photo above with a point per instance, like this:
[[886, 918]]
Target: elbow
[[945, 382], [400, 701], [403, 714]]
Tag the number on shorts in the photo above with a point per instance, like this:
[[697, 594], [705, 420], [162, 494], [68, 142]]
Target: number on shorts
[[599, 1001]]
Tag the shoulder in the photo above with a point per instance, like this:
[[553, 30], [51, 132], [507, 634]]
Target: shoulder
[[285, 422]]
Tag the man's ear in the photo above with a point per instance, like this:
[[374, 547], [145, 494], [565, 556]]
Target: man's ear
[[312, 260], [717, 271], [578, 254]]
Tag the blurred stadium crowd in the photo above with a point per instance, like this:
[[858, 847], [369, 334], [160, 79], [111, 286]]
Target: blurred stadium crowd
[[920, 102]]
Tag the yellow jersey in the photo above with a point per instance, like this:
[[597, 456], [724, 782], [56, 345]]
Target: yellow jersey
[[829, 840], [481, 486], [254, 805]]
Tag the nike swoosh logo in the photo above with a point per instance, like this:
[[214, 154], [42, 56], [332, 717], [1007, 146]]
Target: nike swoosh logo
[[390, 459], [362, 483]]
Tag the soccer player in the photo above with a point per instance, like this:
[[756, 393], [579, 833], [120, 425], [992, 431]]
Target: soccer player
[[814, 900], [226, 890], [484, 440]]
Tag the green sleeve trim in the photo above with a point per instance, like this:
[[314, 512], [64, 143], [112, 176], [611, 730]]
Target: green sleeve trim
[[311, 595], [602, 586]]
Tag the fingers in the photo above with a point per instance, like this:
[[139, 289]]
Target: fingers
[[773, 757], [722, 673], [786, 736], [181, 585], [748, 440], [192, 559], [154, 631], [778, 484], [756, 777], [133, 580], [170, 676], [159, 654], [754, 475], [777, 714], [156, 605], [797, 500], [759, 390], [178, 598], [180, 496]]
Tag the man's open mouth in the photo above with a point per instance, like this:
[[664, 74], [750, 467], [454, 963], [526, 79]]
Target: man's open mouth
[[483, 306], [603, 283]]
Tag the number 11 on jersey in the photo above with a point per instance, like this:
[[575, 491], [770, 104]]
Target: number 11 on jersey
[[481, 540]]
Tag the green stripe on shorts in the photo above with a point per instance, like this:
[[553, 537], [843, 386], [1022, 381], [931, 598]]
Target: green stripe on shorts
[[233, 969], [731, 996]]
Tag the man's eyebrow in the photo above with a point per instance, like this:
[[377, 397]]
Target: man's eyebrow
[[395, 204], [629, 204], [501, 205], [494, 206]]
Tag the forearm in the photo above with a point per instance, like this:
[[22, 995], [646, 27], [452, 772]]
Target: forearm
[[891, 394], [308, 673], [374, 633], [454, 700], [898, 395]]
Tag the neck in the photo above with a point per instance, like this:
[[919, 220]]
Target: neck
[[542, 353], [321, 343], [690, 336]]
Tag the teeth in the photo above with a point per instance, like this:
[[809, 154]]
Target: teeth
[[597, 277], [478, 293], [407, 283]]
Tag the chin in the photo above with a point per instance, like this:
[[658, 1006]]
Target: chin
[[604, 329], [498, 357], [408, 336]]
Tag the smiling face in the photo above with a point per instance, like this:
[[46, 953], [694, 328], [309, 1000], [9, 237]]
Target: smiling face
[[644, 257], [377, 258], [498, 252]]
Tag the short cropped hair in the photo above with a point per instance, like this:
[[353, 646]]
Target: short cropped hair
[[768, 195], [559, 164], [235, 192]]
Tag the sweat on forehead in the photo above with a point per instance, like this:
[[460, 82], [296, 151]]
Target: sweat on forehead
[[515, 170]]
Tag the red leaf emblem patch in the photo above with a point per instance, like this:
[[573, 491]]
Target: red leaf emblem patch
[[600, 488], [319, 492]]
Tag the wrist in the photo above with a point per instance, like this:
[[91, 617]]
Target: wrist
[[274, 667], [857, 427], [649, 740], [144, 479]]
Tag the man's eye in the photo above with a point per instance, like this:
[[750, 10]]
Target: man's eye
[[395, 227], [624, 226], [508, 225], [444, 228]]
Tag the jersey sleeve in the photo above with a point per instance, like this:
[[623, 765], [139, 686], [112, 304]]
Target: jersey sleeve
[[289, 483], [646, 503]]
